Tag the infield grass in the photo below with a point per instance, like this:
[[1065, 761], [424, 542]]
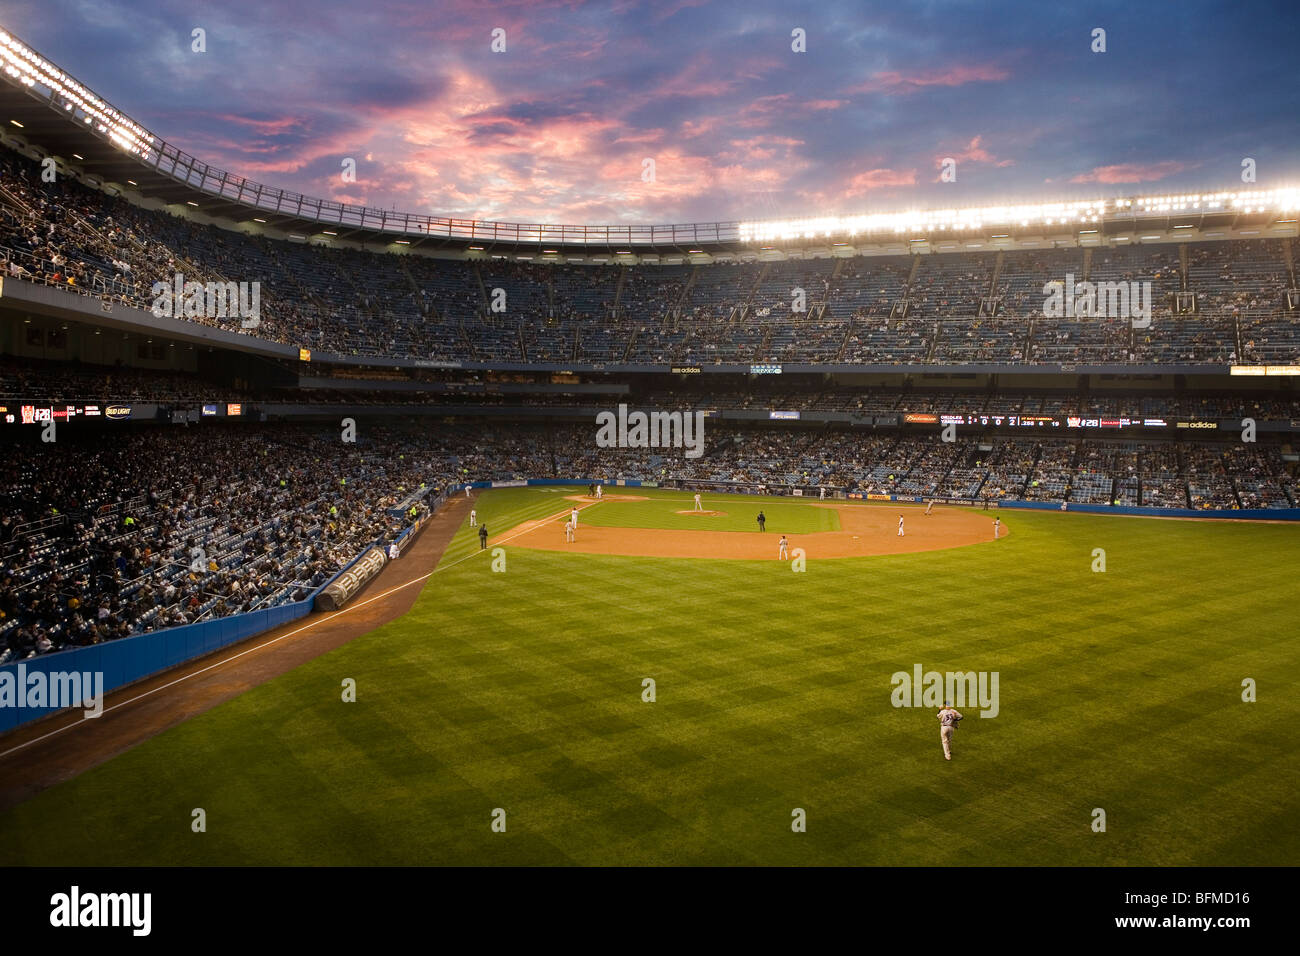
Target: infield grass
[[739, 513], [523, 691]]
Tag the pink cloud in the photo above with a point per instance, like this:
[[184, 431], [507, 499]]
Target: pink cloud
[[701, 127], [895, 81], [1131, 172], [872, 179], [973, 152], [268, 127]]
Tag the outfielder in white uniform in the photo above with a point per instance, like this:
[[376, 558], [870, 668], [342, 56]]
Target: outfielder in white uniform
[[900, 526], [997, 526], [784, 549], [698, 506], [473, 517], [948, 718], [823, 494]]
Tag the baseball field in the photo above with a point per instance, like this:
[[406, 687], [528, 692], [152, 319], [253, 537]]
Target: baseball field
[[664, 690]]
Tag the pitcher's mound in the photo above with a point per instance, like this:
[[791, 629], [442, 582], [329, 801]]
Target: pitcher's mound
[[705, 514]]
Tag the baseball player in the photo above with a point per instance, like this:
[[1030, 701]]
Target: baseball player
[[600, 492], [997, 525], [948, 718], [467, 491], [568, 531], [473, 517], [823, 493], [929, 506], [900, 526], [784, 549], [393, 553], [698, 506], [573, 517]]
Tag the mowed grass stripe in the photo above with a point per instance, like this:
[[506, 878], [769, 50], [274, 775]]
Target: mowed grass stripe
[[522, 690]]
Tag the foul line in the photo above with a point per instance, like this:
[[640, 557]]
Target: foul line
[[250, 650]]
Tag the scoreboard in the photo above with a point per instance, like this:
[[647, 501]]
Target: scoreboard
[[988, 420]]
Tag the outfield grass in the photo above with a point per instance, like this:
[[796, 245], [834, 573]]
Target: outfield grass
[[523, 690]]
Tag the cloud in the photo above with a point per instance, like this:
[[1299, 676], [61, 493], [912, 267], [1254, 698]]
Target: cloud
[[873, 179], [897, 82], [972, 152], [1132, 172]]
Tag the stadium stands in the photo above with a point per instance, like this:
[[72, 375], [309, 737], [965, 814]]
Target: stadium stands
[[979, 307]]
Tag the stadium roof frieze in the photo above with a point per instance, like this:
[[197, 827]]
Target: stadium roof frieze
[[60, 116]]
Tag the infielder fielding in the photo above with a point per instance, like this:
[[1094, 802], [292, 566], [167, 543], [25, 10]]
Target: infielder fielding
[[473, 517], [784, 553], [900, 526], [948, 718], [997, 526]]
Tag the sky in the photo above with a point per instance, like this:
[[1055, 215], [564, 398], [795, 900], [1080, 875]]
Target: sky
[[689, 111]]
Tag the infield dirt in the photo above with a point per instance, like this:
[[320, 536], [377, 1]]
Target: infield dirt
[[864, 530]]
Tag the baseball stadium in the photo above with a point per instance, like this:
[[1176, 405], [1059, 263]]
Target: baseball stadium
[[340, 535]]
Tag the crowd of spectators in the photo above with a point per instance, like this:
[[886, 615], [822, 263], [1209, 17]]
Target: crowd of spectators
[[104, 537], [893, 310]]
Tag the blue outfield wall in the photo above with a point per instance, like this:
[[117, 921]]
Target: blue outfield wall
[[1265, 514], [1269, 514], [130, 659]]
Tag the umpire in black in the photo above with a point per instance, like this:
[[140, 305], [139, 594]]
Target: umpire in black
[[482, 537]]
